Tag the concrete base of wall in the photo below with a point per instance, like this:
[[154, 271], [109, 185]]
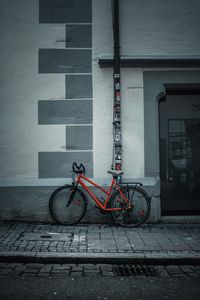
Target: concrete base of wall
[[31, 203], [181, 219]]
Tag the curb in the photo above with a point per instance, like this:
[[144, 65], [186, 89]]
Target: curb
[[107, 258]]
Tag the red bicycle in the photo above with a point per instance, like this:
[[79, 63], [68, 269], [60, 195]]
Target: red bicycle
[[128, 203]]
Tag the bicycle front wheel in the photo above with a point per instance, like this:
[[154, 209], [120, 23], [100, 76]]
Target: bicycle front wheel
[[139, 206], [62, 211]]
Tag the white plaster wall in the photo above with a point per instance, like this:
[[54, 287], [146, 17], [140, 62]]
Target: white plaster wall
[[159, 27], [21, 87], [152, 28], [102, 28], [132, 103], [146, 27], [149, 27], [132, 123]]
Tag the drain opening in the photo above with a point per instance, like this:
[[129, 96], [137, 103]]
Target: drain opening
[[134, 270], [46, 236]]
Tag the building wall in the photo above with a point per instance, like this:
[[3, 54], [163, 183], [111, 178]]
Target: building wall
[[160, 27], [46, 101], [40, 69], [132, 103], [150, 27], [153, 29], [56, 102], [147, 29]]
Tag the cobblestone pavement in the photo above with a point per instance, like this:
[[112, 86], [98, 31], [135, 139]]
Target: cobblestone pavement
[[87, 270], [32, 237]]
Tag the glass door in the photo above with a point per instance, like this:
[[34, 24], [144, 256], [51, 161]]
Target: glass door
[[179, 159]]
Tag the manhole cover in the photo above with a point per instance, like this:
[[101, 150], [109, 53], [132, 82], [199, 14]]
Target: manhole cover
[[42, 236], [134, 270]]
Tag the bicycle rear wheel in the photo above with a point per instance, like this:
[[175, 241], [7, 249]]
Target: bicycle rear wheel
[[139, 206], [64, 213]]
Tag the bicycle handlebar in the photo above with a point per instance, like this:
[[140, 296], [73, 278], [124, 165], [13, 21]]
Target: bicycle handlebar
[[78, 169]]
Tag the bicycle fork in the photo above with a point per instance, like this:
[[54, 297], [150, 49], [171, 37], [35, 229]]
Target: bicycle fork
[[71, 198]]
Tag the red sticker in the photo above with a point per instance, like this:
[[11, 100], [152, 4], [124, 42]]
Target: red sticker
[[118, 167]]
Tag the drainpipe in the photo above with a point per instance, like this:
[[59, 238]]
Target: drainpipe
[[117, 145]]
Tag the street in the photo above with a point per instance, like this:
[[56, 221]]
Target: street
[[44, 261], [98, 281], [100, 288]]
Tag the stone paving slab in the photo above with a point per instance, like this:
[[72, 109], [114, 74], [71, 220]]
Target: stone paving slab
[[150, 242], [91, 270]]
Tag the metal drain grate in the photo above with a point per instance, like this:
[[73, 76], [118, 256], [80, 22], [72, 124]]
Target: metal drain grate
[[134, 270]]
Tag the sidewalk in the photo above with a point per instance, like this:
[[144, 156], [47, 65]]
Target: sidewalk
[[149, 244]]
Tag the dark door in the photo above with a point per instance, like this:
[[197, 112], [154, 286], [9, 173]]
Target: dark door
[[180, 154]]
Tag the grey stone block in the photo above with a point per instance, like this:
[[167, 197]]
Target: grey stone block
[[62, 11], [58, 164], [79, 137], [64, 112], [79, 86], [79, 36], [65, 61]]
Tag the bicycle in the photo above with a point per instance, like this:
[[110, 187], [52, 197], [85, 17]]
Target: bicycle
[[128, 203]]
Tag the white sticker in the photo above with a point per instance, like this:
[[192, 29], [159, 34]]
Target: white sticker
[[117, 86]]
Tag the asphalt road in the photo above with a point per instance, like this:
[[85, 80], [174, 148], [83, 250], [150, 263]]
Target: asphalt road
[[100, 288]]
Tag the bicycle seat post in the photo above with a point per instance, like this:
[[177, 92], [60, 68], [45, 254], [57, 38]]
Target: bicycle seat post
[[119, 179], [116, 175]]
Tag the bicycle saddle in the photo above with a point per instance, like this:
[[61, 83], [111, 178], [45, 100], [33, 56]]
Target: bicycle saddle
[[78, 169], [115, 174]]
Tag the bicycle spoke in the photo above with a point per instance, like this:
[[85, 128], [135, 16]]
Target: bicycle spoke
[[64, 211], [133, 213]]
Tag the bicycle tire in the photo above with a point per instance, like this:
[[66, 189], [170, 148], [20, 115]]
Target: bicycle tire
[[58, 205], [140, 210]]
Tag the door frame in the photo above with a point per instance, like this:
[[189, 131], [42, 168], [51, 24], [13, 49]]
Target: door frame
[[173, 203], [156, 85]]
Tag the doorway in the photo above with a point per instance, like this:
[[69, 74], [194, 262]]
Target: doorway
[[179, 136]]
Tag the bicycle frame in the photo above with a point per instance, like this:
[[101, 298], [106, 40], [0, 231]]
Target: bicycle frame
[[101, 205]]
